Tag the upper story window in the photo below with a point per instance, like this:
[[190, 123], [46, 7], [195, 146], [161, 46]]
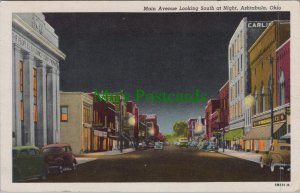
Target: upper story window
[[64, 114], [281, 88], [34, 82], [21, 76]]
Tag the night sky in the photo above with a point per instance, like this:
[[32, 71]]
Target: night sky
[[158, 52]]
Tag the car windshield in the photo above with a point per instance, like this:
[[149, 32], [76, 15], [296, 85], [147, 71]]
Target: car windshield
[[53, 150]]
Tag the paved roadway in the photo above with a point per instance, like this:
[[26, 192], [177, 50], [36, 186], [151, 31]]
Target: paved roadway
[[170, 165]]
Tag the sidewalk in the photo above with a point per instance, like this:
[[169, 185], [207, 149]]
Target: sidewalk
[[254, 157], [87, 157]]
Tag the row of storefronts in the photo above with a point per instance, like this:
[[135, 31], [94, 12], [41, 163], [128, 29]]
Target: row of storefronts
[[258, 98], [92, 125]]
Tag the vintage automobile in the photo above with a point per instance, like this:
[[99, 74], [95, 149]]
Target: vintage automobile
[[158, 145], [278, 156], [142, 145], [211, 146], [28, 163], [183, 142], [59, 157]]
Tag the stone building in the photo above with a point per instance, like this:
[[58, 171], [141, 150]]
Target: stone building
[[239, 77], [36, 58]]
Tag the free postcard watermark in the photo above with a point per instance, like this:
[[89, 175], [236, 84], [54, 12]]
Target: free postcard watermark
[[154, 97]]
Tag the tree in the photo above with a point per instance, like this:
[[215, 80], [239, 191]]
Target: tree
[[180, 128]]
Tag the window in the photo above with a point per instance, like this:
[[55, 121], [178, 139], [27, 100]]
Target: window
[[262, 99], [22, 110], [32, 152], [255, 109], [34, 83], [241, 62], [35, 113], [24, 152], [86, 114], [64, 113], [281, 88], [21, 76]]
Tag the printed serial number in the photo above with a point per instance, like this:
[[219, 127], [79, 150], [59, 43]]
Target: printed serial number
[[281, 184]]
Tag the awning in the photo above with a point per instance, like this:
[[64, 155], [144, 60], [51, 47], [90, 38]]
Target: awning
[[234, 134], [286, 136], [262, 132]]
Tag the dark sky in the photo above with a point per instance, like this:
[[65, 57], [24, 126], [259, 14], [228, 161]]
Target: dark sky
[[171, 52]]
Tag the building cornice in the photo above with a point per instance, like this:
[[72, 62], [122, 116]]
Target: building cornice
[[38, 37]]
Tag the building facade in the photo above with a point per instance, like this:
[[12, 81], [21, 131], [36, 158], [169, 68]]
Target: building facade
[[104, 124], [191, 128], [239, 76], [211, 117], [283, 85], [36, 58], [76, 121], [262, 56]]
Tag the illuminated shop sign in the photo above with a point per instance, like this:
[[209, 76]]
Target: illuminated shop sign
[[277, 118], [258, 24]]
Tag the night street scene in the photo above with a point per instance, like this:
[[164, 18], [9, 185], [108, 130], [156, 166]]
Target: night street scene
[[151, 97]]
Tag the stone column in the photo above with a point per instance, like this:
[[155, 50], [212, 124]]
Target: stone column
[[41, 102], [51, 105], [58, 107], [28, 138], [17, 58]]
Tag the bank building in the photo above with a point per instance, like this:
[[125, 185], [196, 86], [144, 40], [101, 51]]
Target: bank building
[[35, 60]]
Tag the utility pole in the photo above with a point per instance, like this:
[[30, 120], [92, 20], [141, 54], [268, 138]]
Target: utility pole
[[121, 123]]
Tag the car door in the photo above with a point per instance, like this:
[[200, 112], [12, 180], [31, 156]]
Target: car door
[[34, 164], [23, 163], [68, 156]]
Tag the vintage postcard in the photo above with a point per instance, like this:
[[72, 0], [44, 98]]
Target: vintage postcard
[[150, 96]]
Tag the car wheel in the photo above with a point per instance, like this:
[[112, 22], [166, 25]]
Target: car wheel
[[61, 169], [74, 166], [44, 174], [261, 163], [272, 166]]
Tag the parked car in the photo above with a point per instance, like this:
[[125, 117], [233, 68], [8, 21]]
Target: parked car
[[279, 155], [212, 146], [193, 144], [150, 145], [142, 145], [158, 145], [183, 142], [28, 163], [59, 157]]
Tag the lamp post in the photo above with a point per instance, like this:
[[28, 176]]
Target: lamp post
[[271, 100]]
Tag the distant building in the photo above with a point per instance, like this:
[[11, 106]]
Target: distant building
[[76, 121], [36, 58], [211, 116], [104, 125], [224, 111], [191, 128]]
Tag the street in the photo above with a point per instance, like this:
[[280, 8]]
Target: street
[[172, 164]]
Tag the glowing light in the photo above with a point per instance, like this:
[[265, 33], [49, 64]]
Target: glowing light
[[249, 101], [151, 131], [131, 121]]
